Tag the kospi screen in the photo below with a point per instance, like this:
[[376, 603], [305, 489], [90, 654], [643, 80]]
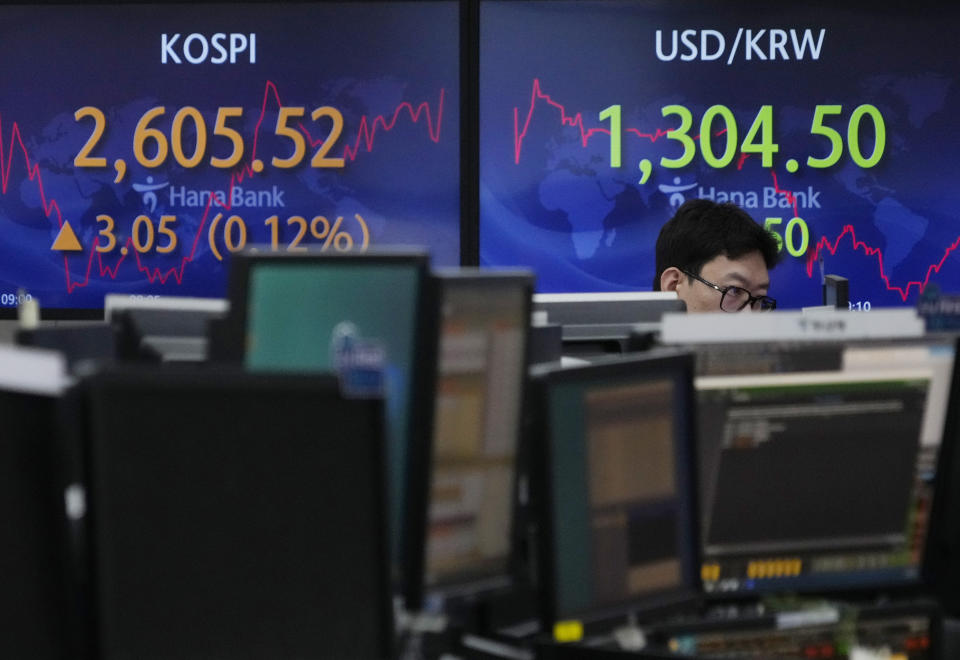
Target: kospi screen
[[833, 125], [140, 145]]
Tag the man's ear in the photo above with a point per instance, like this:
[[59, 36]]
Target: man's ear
[[670, 278]]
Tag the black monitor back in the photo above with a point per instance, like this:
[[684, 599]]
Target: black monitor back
[[163, 335], [942, 552], [95, 342], [235, 515], [35, 599]]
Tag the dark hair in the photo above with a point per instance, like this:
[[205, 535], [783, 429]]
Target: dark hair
[[701, 230]]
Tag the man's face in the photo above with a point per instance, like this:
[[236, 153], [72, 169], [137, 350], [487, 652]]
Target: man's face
[[748, 272]]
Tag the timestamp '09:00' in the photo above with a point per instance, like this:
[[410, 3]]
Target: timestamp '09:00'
[[12, 299]]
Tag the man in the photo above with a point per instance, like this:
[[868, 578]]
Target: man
[[716, 258]]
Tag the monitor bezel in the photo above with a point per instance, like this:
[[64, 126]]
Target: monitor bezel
[[677, 365], [243, 263]]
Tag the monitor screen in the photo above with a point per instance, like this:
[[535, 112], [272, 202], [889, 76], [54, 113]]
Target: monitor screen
[[933, 353], [832, 124], [235, 515], [220, 125], [479, 396], [814, 481], [368, 318], [619, 489]]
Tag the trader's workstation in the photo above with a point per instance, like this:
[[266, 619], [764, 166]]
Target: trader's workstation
[[394, 478], [386, 330]]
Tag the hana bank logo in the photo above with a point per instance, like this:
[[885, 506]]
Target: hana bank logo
[[767, 197], [359, 362], [149, 190], [676, 190]]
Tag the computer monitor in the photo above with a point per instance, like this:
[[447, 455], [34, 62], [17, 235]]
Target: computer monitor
[[605, 316], [79, 344], [836, 292], [617, 486], [235, 515], [481, 370], [168, 329], [36, 602], [369, 317], [815, 481]]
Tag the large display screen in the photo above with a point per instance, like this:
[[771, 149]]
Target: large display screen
[[141, 144], [832, 125]]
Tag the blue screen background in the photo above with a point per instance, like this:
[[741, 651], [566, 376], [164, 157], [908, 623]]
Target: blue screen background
[[391, 69], [551, 200]]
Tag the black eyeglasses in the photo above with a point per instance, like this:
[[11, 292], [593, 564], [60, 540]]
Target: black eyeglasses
[[735, 298]]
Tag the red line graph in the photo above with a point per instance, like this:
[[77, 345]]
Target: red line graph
[[367, 130], [824, 243], [537, 95], [788, 194], [813, 253], [366, 135]]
